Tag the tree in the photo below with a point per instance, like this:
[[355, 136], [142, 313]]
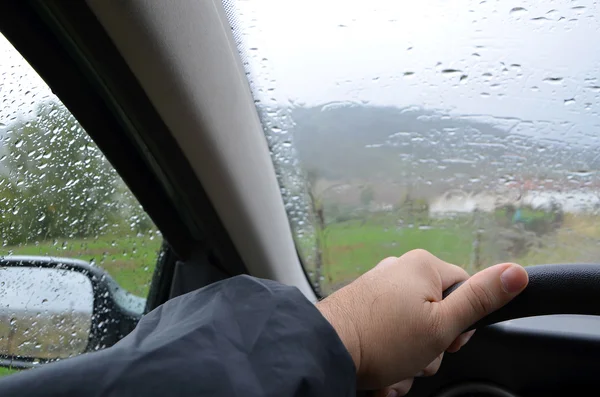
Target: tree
[[316, 209], [367, 194], [55, 182]]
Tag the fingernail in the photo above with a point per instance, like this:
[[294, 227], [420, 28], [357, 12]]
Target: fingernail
[[419, 374], [469, 335], [392, 393], [513, 280], [466, 338]]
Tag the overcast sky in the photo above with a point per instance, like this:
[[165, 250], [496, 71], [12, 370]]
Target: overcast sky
[[531, 60], [20, 86], [535, 61]]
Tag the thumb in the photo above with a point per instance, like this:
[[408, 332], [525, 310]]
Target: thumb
[[483, 293]]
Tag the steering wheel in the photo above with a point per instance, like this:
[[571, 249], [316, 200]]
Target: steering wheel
[[552, 289]]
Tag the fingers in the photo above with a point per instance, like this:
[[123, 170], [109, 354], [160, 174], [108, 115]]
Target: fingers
[[460, 341], [395, 390], [433, 367], [451, 274], [402, 388], [482, 294]]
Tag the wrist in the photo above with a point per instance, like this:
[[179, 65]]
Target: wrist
[[342, 322]]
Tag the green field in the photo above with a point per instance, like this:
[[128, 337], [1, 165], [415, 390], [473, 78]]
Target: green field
[[6, 371], [129, 260], [351, 248]]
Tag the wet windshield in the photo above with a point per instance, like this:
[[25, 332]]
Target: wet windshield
[[467, 128]]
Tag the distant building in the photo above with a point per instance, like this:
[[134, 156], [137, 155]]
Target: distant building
[[458, 201]]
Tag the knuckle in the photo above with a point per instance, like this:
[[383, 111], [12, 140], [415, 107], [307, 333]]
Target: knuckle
[[418, 255], [421, 253], [389, 261], [480, 299], [464, 273]]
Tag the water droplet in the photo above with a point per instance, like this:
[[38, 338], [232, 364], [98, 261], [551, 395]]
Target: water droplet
[[451, 72], [540, 19], [518, 11], [553, 80]]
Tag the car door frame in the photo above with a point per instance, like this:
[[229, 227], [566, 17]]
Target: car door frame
[[93, 81]]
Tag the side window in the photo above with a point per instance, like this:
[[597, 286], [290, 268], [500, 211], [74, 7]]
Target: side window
[[59, 198]]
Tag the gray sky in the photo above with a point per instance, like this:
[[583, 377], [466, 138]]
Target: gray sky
[[535, 61], [394, 52], [20, 86]]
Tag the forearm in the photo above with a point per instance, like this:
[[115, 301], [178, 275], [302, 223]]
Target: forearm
[[242, 336]]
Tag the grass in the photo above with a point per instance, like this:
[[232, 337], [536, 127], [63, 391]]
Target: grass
[[129, 260], [7, 371], [353, 247], [577, 241]]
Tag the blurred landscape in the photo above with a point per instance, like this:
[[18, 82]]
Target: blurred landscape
[[129, 259], [43, 335], [361, 183], [60, 197], [381, 181], [372, 182]]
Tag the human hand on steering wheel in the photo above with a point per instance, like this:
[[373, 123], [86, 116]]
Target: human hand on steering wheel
[[395, 324]]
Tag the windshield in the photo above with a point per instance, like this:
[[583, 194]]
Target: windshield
[[467, 128]]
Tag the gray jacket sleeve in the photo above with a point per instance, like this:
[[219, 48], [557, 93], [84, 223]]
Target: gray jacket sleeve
[[239, 337]]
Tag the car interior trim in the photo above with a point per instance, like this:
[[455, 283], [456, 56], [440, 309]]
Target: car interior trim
[[184, 56]]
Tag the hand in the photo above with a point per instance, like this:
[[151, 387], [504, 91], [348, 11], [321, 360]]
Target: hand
[[403, 387], [395, 324]]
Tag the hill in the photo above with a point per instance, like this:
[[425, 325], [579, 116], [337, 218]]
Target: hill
[[429, 150]]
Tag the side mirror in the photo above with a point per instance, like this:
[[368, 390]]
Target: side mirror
[[54, 308]]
